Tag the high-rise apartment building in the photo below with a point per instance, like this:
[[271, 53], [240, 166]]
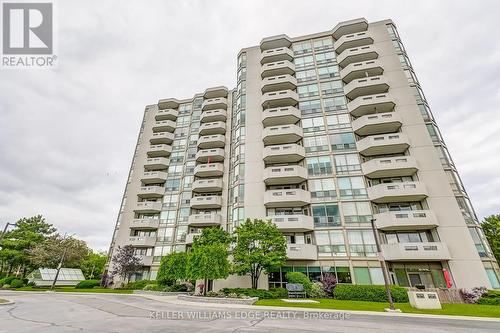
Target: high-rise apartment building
[[322, 134]]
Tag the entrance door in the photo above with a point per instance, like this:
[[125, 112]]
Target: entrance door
[[414, 279]]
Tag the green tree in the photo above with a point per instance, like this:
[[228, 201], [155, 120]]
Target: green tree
[[93, 265], [260, 247], [213, 235], [491, 228], [50, 251], [17, 243], [173, 267], [208, 262]]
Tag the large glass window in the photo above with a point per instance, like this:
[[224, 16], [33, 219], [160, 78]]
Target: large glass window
[[323, 43], [316, 143], [343, 141], [493, 277], [338, 121], [302, 47], [319, 166], [352, 188], [313, 124], [324, 58], [304, 61], [361, 243], [310, 107], [346, 163], [322, 188], [328, 72], [330, 242], [306, 75], [326, 215], [355, 212], [368, 275], [331, 87], [310, 90], [334, 104]]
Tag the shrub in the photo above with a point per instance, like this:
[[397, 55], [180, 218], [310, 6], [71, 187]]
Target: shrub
[[6, 286], [329, 281], [138, 285], [472, 296], [317, 290], [492, 297], [88, 284], [179, 287], [153, 287], [260, 293], [7, 280], [215, 294], [371, 293], [16, 283], [298, 277]]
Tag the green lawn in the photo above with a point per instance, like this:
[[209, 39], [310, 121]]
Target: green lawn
[[448, 309], [74, 290]]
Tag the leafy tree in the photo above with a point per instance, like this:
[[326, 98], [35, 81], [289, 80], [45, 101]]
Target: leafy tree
[[208, 262], [125, 262], [491, 228], [172, 267], [260, 247], [93, 265], [213, 235], [17, 243], [49, 252]]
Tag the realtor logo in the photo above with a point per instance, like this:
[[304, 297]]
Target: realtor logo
[[27, 28]]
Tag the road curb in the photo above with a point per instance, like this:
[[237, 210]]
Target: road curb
[[7, 303]]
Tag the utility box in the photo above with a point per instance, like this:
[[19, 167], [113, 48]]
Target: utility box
[[424, 300]]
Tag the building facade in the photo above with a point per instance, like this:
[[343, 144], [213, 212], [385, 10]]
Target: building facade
[[322, 134]]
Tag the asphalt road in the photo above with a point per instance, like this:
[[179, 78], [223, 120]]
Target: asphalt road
[[61, 312]]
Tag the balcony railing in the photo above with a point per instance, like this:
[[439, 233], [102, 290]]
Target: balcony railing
[[288, 174], [164, 126], [202, 220], [214, 103], [279, 99], [206, 202], [379, 123], [366, 86], [162, 137], [142, 241], [282, 134], [281, 116], [302, 252], [353, 40], [154, 177], [277, 54], [210, 116], [209, 170], [207, 185], [277, 83], [148, 207], [357, 54], [216, 127], [277, 68], [361, 69], [416, 251], [145, 223], [287, 198], [364, 105], [151, 192], [406, 220], [383, 144], [156, 163], [293, 223], [397, 192], [210, 155], [166, 114], [212, 141], [290, 153], [386, 167]]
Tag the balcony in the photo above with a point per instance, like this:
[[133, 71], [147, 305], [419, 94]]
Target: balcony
[[289, 174], [357, 54], [281, 116], [290, 153], [274, 55], [287, 198], [282, 134], [397, 192], [364, 105], [153, 177], [162, 137], [212, 141], [145, 223], [216, 127], [275, 83], [416, 251], [407, 220], [399, 166], [209, 170], [293, 223], [378, 123], [349, 27], [360, 70], [213, 115], [281, 98], [207, 185], [166, 114], [204, 220], [164, 126], [210, 155], [190, 237], [215, 92], [353, 40], [206, 202], [168, 103], [366, 86], [214, 103], [156, 163], [277, 68], [383, 144], [274, 42], [147, 260], [146, 207], [141, 241], [161, 150], [301, 252], [151, 192]]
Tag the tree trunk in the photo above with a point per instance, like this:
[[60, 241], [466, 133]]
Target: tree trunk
[[205, 285]]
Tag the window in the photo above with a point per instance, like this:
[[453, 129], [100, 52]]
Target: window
[[342, 141], [172, 184], [328, 72], [361, 243], [313, 124], [310, 90], [334, 104], [242, 59], [339, 121], [316, 143], [493, 277], [404, 61], [352, 188], [326, 215], [168, 216], [343, 274], [324, 58], [242, 73], [409, 237], [418, 93], [318, 166], [478, 242], [306, 75], [304, 61], [368, 275], [331, 87], [322, 188], [356, 212], [425, 112], [347, 163], [410, 76], [391, 30], [310, 107], [183, 121], [444, 156], [330, 242], [302, 47], [175, 170], [322, 44], [181, 232], [165, 235], [434, 133], [466, 209]]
